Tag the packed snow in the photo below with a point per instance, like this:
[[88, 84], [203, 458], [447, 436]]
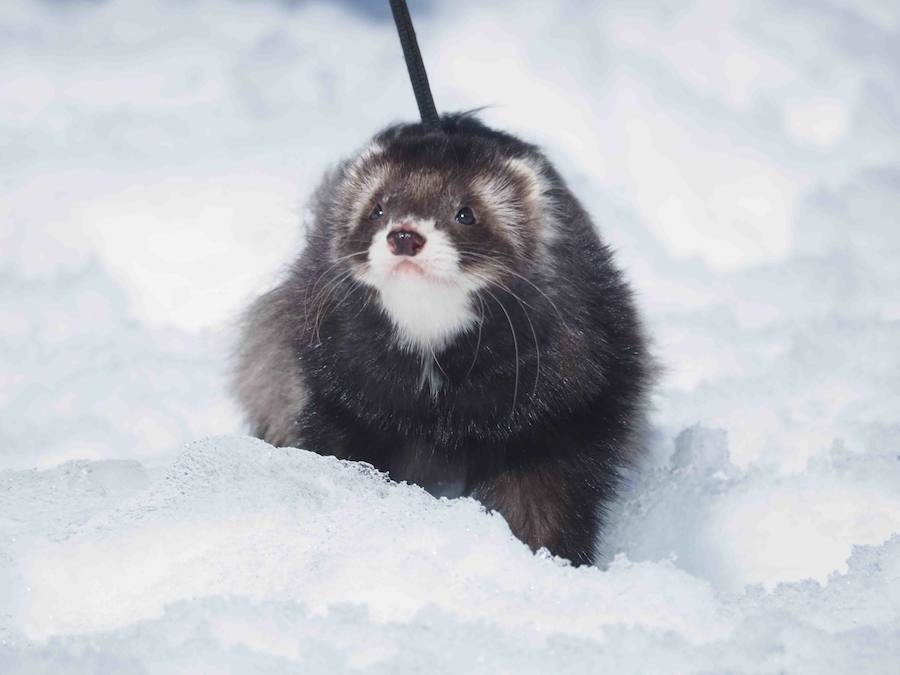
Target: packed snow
[[155, 157]]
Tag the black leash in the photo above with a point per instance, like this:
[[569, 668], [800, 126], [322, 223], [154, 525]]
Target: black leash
[[417, 75]]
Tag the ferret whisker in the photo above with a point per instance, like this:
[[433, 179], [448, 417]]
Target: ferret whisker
[[323, 306], [537, 349], [436, 362], [338, 261], [329, 306], [508, 270], [515, 349], [362, 307], [499, 258], [353, 286], [321, 295], [478, 342], [312, 288]]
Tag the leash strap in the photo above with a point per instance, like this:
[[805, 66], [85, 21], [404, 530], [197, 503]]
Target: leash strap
[[414, 64]]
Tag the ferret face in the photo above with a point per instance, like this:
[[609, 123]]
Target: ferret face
[[430, 223]]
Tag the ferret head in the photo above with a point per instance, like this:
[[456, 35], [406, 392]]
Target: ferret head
[[428, 218]]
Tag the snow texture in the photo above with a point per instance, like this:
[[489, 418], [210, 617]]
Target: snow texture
[[742, 157]]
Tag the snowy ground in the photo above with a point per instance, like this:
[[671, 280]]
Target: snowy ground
[[744, 158]]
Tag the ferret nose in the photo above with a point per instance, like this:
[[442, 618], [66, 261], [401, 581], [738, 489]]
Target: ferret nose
[[405, 242]]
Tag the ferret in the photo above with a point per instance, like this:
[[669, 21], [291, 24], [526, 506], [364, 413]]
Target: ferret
[[455, 320]]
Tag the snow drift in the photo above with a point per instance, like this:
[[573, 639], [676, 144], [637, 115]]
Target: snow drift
[[244, 555]]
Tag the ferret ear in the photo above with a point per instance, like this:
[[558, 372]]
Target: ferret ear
[[365, 172], [366, 155], [529, 172], [374, 148]]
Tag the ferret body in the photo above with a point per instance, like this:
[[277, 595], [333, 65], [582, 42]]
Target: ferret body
[[455, 320]]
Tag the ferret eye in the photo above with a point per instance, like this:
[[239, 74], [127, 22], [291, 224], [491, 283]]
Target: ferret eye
[[377, 212], [465, 216]]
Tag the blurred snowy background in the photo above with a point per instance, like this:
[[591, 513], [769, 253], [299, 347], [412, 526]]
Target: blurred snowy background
[[155, 157]]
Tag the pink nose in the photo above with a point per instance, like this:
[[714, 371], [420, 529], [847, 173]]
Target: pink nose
[[405, 242]]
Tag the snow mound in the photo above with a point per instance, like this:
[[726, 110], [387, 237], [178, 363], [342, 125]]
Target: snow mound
[[238, 517], [248, 557], [736, 527]]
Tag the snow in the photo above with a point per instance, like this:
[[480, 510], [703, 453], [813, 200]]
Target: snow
[[243, 556], [154, 162]]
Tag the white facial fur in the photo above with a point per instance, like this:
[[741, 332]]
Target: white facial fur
[[427, 308]]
